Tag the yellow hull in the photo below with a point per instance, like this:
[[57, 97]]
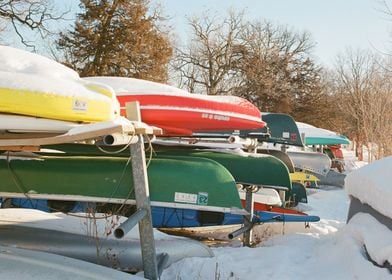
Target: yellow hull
[[55, 106], [304, 178]]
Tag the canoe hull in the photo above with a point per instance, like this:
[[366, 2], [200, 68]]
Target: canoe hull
[[179, 112], [37, 86], [177, 218], [281, 129], [16, 263], [263, 170], [179, 115], [109, 180], [120, 254], [25, 124], [310, 161], [164, 217]]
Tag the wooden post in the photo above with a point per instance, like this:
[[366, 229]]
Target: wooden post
[[142, 195]]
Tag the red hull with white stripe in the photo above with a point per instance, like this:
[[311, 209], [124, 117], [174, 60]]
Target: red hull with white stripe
[[178, 112], [257, 206]]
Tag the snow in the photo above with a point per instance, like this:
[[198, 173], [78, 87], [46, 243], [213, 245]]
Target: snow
[[125, 86], [19, 61], [329, 249], [315, 132], [372, 184], [78, 223], [27, 71], [312, 131], [376, 237]]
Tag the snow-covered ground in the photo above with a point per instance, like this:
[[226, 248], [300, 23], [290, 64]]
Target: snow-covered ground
[[329, 249]]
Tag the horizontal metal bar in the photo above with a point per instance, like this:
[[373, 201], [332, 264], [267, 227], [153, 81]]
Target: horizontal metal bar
[[130, 223]]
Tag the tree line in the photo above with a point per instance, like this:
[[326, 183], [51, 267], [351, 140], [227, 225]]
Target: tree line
[[269, 64]]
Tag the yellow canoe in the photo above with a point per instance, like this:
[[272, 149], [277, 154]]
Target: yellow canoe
[[306, 179], [36, 86]]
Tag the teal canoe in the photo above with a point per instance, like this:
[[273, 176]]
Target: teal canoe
[[326, 140], [173, 182]]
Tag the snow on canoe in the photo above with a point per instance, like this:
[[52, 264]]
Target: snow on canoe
[[179, 112], [320, 136], [36, 86]]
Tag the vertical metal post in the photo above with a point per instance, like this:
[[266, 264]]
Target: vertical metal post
[[303, 140], [142, 195], [249, 206], [283, 148]]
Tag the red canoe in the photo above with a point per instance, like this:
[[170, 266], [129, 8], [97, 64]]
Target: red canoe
[[265, 207], [337, 151], [178, 112]]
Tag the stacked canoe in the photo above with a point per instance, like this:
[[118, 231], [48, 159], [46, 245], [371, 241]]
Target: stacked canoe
[[180, 179]]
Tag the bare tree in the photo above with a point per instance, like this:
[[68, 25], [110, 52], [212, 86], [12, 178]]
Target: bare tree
[[206, 64], [33, 15], [364, 88], [277, 71], [268, 64]]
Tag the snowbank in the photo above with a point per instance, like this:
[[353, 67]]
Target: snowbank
[[376, 237], [291, 256], [372, 184]]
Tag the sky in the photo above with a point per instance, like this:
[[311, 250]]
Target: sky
[[333, 24]]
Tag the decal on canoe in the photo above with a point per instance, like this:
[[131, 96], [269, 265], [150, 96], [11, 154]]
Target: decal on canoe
[[185, 197], [293, 137], [79, 105], [202, 198], [215, 117], [286, 134]]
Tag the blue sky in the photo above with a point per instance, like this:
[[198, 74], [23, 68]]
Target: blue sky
[[334, 24]]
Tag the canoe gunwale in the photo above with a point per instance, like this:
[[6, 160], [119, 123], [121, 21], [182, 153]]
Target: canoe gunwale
[[79, 198]]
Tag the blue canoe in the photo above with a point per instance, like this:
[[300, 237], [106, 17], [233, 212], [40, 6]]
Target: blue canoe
[[165, 217]]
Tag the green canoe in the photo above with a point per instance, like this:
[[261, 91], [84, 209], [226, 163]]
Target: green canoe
[[263, 170], [280, 155], [283, 129], [173, 182]]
